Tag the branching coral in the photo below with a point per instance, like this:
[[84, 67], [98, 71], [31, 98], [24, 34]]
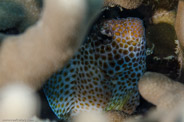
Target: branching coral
[[166, 94], [179, 27], [18, 102], [161, 90], [180, 23], [117, 116], [33, 56], [93, 116]]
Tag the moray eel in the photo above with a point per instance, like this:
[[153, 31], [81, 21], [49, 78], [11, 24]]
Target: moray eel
[[104, 73]]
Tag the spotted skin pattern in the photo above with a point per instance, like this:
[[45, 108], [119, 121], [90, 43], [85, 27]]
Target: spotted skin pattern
[[104, 73]]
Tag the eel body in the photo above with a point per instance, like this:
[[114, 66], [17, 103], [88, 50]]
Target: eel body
[[104, 73]]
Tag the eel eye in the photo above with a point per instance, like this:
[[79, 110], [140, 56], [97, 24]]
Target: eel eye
[[106, 36], [106, 32]]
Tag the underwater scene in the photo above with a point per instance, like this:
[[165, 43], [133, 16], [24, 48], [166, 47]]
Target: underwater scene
[[91, 61]]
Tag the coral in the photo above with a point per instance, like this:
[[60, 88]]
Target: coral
[[161, 4], [104, 72], [91, 116], [166, 55], [45, 47], [179, 27], [128, 4], [18, 102], [36, 119], [18, 14], [117, 116], [161, 90], [164, 16], [166, 94], [8, 18], [179, 22]]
